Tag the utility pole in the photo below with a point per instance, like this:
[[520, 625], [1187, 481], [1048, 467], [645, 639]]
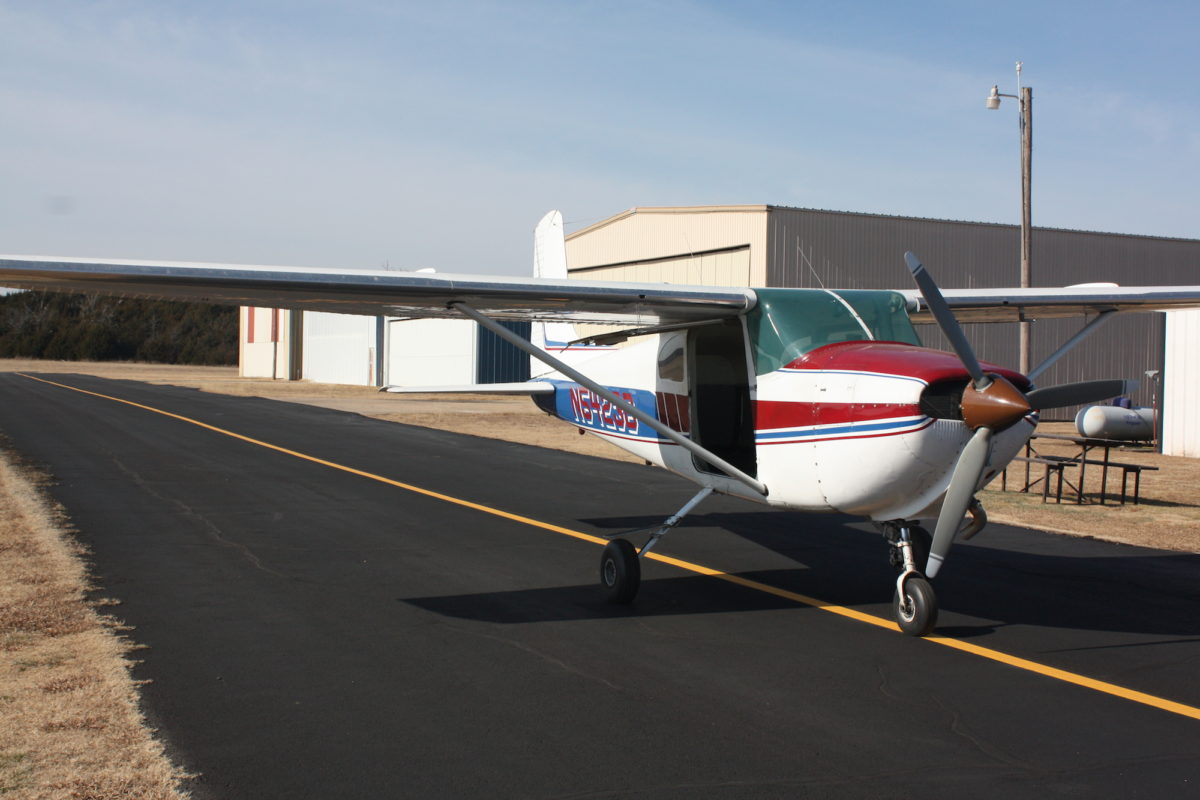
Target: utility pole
[[1026, 99], [1026, 213]]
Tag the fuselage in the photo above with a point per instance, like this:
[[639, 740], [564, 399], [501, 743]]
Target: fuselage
[[806, 397]]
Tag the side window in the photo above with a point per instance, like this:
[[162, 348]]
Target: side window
[[672, 358], [671, 389]]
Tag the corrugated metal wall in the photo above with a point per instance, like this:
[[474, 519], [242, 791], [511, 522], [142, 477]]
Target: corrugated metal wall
[[811, 248], [497, 361]]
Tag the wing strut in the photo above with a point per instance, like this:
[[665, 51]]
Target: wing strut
[[630, 409], [1086, 331]]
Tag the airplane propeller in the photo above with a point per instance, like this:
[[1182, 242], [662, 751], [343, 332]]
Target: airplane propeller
[[990, 403], [1078, 394]]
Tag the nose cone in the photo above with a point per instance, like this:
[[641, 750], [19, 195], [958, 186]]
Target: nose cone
[[998, 405]]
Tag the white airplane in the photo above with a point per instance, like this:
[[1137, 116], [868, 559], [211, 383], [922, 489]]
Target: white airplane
[[806, 399]]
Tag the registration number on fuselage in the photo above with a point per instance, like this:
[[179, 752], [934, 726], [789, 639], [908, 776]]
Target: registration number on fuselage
[[588, 409]]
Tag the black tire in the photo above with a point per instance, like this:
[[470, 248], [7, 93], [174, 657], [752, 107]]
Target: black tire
[[917, 615], [620, 571]]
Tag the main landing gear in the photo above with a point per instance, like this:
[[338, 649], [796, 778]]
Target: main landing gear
[[620, 565], [914, 602], [620, 571]]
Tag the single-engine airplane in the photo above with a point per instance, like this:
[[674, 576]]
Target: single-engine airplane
[[809, 399]]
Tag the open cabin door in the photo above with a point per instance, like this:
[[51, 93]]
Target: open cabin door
[[722, 413]]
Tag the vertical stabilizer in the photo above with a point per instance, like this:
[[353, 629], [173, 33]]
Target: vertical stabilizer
[[550, 247], [550, 261]]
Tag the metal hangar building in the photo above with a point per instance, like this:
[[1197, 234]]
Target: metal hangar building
[[779, 246]]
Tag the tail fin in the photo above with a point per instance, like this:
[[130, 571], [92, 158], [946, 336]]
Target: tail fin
[[550, 261], [550, 247]]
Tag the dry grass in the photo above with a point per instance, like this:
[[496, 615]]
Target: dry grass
[[1168, 516], [150, 373], [69, 720]]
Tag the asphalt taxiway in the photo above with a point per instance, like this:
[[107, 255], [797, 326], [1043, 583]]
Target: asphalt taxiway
[[336, 606]]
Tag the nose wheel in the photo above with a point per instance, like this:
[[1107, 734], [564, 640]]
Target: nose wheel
[[914, 602]]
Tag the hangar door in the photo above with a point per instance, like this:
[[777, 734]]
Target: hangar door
[[726, 267], [430, 352], [339, 348]]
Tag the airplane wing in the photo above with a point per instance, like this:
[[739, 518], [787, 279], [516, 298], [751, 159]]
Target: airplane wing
[[1013, 305], [376, 292]]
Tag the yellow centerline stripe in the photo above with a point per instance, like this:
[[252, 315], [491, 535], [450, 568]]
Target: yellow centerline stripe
[[859, 616], [332, 465]]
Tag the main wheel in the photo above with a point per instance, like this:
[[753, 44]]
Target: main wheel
[[917, 612], [620, 571]]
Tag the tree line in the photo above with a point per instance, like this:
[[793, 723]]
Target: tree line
[[85, 327]]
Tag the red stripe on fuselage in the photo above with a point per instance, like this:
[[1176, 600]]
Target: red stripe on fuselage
[[896, 358], [773, 414]]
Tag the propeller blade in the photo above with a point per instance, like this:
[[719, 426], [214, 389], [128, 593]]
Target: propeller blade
[[967, 473], [1079, 394], [945, 319]]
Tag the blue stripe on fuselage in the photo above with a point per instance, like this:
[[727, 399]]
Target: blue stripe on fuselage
[[583, 407]]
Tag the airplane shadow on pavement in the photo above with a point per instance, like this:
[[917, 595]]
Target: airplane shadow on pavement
[[1007, 576]]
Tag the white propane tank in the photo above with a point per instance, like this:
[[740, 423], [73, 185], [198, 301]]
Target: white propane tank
[[1114, 422]]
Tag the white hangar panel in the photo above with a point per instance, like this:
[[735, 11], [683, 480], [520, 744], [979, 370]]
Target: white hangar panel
[[707, 245], [730, 268], [431, 352], [725, 268], [268, 343], [259, 341], [339, 348], [1181, 385]]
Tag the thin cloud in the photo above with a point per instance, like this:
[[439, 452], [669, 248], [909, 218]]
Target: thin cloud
[[309, 134]]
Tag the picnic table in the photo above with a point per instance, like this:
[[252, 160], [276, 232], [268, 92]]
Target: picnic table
[[1100, 451]]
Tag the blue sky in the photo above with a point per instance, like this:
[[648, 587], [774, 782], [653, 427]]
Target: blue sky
[[368, 133]]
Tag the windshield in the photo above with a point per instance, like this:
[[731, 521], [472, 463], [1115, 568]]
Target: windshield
[[787, 323]]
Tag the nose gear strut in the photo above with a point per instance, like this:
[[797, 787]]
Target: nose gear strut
[[914, 602]]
